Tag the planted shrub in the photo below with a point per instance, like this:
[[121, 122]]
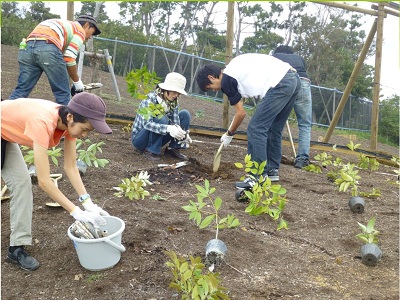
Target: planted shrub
[[192, 281], [133, 188], [265, 197]]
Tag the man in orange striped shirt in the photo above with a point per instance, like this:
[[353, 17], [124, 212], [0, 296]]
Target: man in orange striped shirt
[[52, 48]]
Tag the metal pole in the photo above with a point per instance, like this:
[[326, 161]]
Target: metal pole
[[80, 60], [111, 70], [115, 51]]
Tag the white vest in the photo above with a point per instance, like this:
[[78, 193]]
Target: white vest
[[256, 73]]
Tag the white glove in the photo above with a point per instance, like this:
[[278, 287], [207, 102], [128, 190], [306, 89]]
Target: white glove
[[94, 208], [185, 142], [87, 216], [226, 139], [176, 132], [78, 86]]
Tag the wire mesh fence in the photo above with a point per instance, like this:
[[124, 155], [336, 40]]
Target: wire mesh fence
[[127, 56]]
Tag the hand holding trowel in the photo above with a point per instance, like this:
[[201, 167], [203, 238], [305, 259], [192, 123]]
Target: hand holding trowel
[[226, 139], [217, 158]]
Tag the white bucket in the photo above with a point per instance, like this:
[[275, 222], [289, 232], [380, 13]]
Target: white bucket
[[102, 253]]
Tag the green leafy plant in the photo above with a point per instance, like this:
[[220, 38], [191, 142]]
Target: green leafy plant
[[264, 198], [352, 146], [132, 188], [209, 209], [199, 113], [396, 159], [127, 128], [158, 197], [313, 168], [369, 234], [324, 159], [348, 178], [94, 277], [368, 163], [375, 193], [53, 153], [88, 154], [153, 110], [191, 280], [140, 82]]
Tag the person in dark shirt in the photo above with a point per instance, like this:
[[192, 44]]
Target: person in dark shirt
[[302, 104]]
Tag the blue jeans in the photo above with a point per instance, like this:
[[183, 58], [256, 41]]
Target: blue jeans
[[152, 142], [265, 128], [303, 110], [38, 57]]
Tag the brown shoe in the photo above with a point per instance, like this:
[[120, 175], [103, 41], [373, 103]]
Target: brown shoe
[[175, 153]]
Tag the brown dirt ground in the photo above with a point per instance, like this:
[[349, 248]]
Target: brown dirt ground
[[317, 258]]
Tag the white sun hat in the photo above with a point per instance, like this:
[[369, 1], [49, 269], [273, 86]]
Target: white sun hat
[[174, 82]]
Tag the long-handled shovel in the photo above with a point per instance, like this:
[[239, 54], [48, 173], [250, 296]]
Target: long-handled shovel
[[217, 158], [291, 139], [55, 178]]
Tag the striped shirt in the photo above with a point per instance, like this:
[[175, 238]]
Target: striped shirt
[[68, 36], [151, 123]]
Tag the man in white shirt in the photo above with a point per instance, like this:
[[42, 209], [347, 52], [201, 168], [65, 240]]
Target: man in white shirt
[[256, 75]]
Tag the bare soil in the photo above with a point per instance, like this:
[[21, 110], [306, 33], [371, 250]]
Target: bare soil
[[318, 257]]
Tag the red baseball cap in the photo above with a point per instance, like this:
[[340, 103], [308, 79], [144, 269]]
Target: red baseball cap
[[92, 107]]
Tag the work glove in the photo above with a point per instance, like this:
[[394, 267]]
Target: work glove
[[86, 216], [226, 139], [78, 86], [94, 208], [186, 141], [176, 132]]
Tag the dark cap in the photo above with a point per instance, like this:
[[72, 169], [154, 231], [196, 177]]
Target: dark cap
[[92, 107], [91, 20]]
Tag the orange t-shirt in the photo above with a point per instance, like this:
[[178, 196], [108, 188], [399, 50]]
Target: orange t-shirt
[[26, 121]]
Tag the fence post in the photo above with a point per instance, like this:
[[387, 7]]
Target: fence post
[[111, 70], [80, 60], [115, 51]]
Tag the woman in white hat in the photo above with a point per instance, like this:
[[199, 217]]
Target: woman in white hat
[[171, 125]]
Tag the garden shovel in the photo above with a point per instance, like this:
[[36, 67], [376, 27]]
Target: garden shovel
[[55, 178], [217, 158]]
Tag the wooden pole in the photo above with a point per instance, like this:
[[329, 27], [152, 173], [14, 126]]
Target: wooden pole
[[349, 7], [70, 10], [350, 83], [228, 56], [377, 79]]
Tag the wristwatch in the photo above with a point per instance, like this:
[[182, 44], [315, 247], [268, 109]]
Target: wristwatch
[[231, 133], [83, 198]]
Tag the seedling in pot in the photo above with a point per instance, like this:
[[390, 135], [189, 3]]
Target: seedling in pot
[[264, 197], [205, 212], [370, 251], [192, 281], [349, 179]]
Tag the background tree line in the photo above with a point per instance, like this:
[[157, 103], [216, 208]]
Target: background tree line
[[329, 39]]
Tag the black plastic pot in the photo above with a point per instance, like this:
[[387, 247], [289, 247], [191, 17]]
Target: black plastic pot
[[82, 167], [215, 252], [370, 254], [357, 204]]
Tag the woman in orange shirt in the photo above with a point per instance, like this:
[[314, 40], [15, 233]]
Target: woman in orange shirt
[[41, 124]]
